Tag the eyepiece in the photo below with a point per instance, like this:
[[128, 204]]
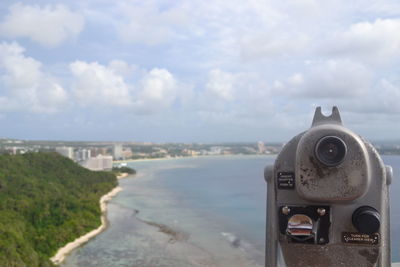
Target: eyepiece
[[330, 150]]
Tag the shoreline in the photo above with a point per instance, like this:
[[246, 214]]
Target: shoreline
[[176, 243], [63, 252], [188, 157], [123, 175]]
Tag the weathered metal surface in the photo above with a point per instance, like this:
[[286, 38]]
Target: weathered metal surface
[[316, 182], [297, 255], [360, 180]]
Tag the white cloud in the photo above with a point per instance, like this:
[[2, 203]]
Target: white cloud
[[49, 25], [97, 85], [146, 23], [225, 29], [330, 79], [295, 79], [26, 86], [273, 44], [244, 95], [121, 67], [388, 97], [159, 90], [100, 85], [247, 62], [221, 84], [384, 98], [376, 41]]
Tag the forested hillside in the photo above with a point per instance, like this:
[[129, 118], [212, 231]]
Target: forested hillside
[[46, 201]]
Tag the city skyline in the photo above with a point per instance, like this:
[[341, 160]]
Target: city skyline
[[190, 71]]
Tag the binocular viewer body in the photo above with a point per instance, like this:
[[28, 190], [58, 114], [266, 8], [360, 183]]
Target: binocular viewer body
[[327, 200]]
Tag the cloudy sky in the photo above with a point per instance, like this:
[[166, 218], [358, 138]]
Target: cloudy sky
[[202, 71]]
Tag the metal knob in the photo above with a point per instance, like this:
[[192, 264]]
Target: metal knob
[[366, 220]]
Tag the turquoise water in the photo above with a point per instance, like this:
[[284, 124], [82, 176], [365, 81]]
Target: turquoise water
[[206, 211]]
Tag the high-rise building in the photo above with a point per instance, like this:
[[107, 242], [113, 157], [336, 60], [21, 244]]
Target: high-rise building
[[98, 163], [117, 151], [261, 147], [95, 151], [107, 162], [77, 156], [85, 154], [82, 154]]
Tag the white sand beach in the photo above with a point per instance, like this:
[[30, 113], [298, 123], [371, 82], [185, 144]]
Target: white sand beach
[[68, 248], [122, 175]]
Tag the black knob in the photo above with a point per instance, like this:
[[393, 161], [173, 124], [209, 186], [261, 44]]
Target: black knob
[[366, 220]]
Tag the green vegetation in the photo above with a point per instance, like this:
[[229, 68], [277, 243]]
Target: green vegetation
[[123, 169], [46, 201]]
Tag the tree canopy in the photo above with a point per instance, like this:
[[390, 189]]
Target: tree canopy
[[46, 201], [123, 169]]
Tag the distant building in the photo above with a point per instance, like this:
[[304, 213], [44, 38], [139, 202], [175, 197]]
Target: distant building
[[99, 163], [66, 151], [127, 153], [190, 152], [117, 152], [95, 151], [76, 156], [261, 147], [82, 154], [215, 150]]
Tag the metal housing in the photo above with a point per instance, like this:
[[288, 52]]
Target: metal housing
[[361, 179]]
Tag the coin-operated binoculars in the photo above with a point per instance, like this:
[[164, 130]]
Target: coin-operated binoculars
[[327, 200]]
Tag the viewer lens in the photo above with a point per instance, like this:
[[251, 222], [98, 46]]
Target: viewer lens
[[330, 150]]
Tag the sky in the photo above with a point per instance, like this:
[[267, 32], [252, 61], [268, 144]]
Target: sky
[[197, 71]]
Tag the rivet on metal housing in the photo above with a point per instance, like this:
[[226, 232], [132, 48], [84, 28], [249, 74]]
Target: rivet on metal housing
[[286, 210], [321, 211]]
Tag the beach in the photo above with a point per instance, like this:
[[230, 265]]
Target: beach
[[151, 226], [59, 257]]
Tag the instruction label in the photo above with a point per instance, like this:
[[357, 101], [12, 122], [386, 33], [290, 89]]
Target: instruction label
[[285, 180], [360, 238]]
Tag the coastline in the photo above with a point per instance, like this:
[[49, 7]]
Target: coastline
[[61, 254], [167, 234], [189, 157], [141, 235], [122, 175]]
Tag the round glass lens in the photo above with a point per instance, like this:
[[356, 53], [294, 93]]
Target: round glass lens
[[330, 150]]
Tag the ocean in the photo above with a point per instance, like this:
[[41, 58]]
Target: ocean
[[206, 211]]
